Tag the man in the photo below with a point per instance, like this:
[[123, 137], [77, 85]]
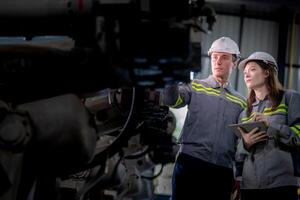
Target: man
[[207, 145]]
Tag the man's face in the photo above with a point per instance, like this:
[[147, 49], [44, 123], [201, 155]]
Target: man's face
[[222, 64]]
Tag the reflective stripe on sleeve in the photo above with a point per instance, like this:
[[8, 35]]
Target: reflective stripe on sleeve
[[178, 102], [200, 88], [236, 100], [282, 108], [246, 119], [296, 129]]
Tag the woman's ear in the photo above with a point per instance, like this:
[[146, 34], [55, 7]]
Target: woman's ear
[[267, 73]]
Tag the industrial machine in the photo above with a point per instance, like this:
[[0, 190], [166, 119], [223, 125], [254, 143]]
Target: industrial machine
[[80, 113]]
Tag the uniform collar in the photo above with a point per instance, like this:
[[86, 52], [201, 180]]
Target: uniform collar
[[215, 84], [212, 82], [257, 101]]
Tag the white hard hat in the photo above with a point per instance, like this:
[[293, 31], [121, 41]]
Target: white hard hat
[[263, 56], [224, 44]]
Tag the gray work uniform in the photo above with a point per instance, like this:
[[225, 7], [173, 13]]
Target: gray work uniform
[[269, 164], [211, 108]]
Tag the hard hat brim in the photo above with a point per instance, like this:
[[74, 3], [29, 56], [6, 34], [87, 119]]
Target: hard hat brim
[[243, 63]]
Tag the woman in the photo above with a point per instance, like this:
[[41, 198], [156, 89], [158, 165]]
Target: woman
[[268, 171]]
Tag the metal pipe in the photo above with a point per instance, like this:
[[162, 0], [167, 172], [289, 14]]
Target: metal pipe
[[292, 52]]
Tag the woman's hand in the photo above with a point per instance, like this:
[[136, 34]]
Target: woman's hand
[[252, 137], [261, 117]]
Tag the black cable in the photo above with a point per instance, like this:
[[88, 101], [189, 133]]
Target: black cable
[[154, 176]]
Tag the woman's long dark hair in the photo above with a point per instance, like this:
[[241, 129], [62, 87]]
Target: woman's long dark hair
[[274, 87]]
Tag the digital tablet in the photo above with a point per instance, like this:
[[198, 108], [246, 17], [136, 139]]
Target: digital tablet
[[248, 127]]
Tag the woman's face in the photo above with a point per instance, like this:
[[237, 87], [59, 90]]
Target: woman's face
[[254, 75]]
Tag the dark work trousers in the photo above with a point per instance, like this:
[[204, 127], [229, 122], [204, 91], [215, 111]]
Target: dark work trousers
[[196, 179], [278, 193]]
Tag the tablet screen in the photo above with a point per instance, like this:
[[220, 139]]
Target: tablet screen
[[247, 127]]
